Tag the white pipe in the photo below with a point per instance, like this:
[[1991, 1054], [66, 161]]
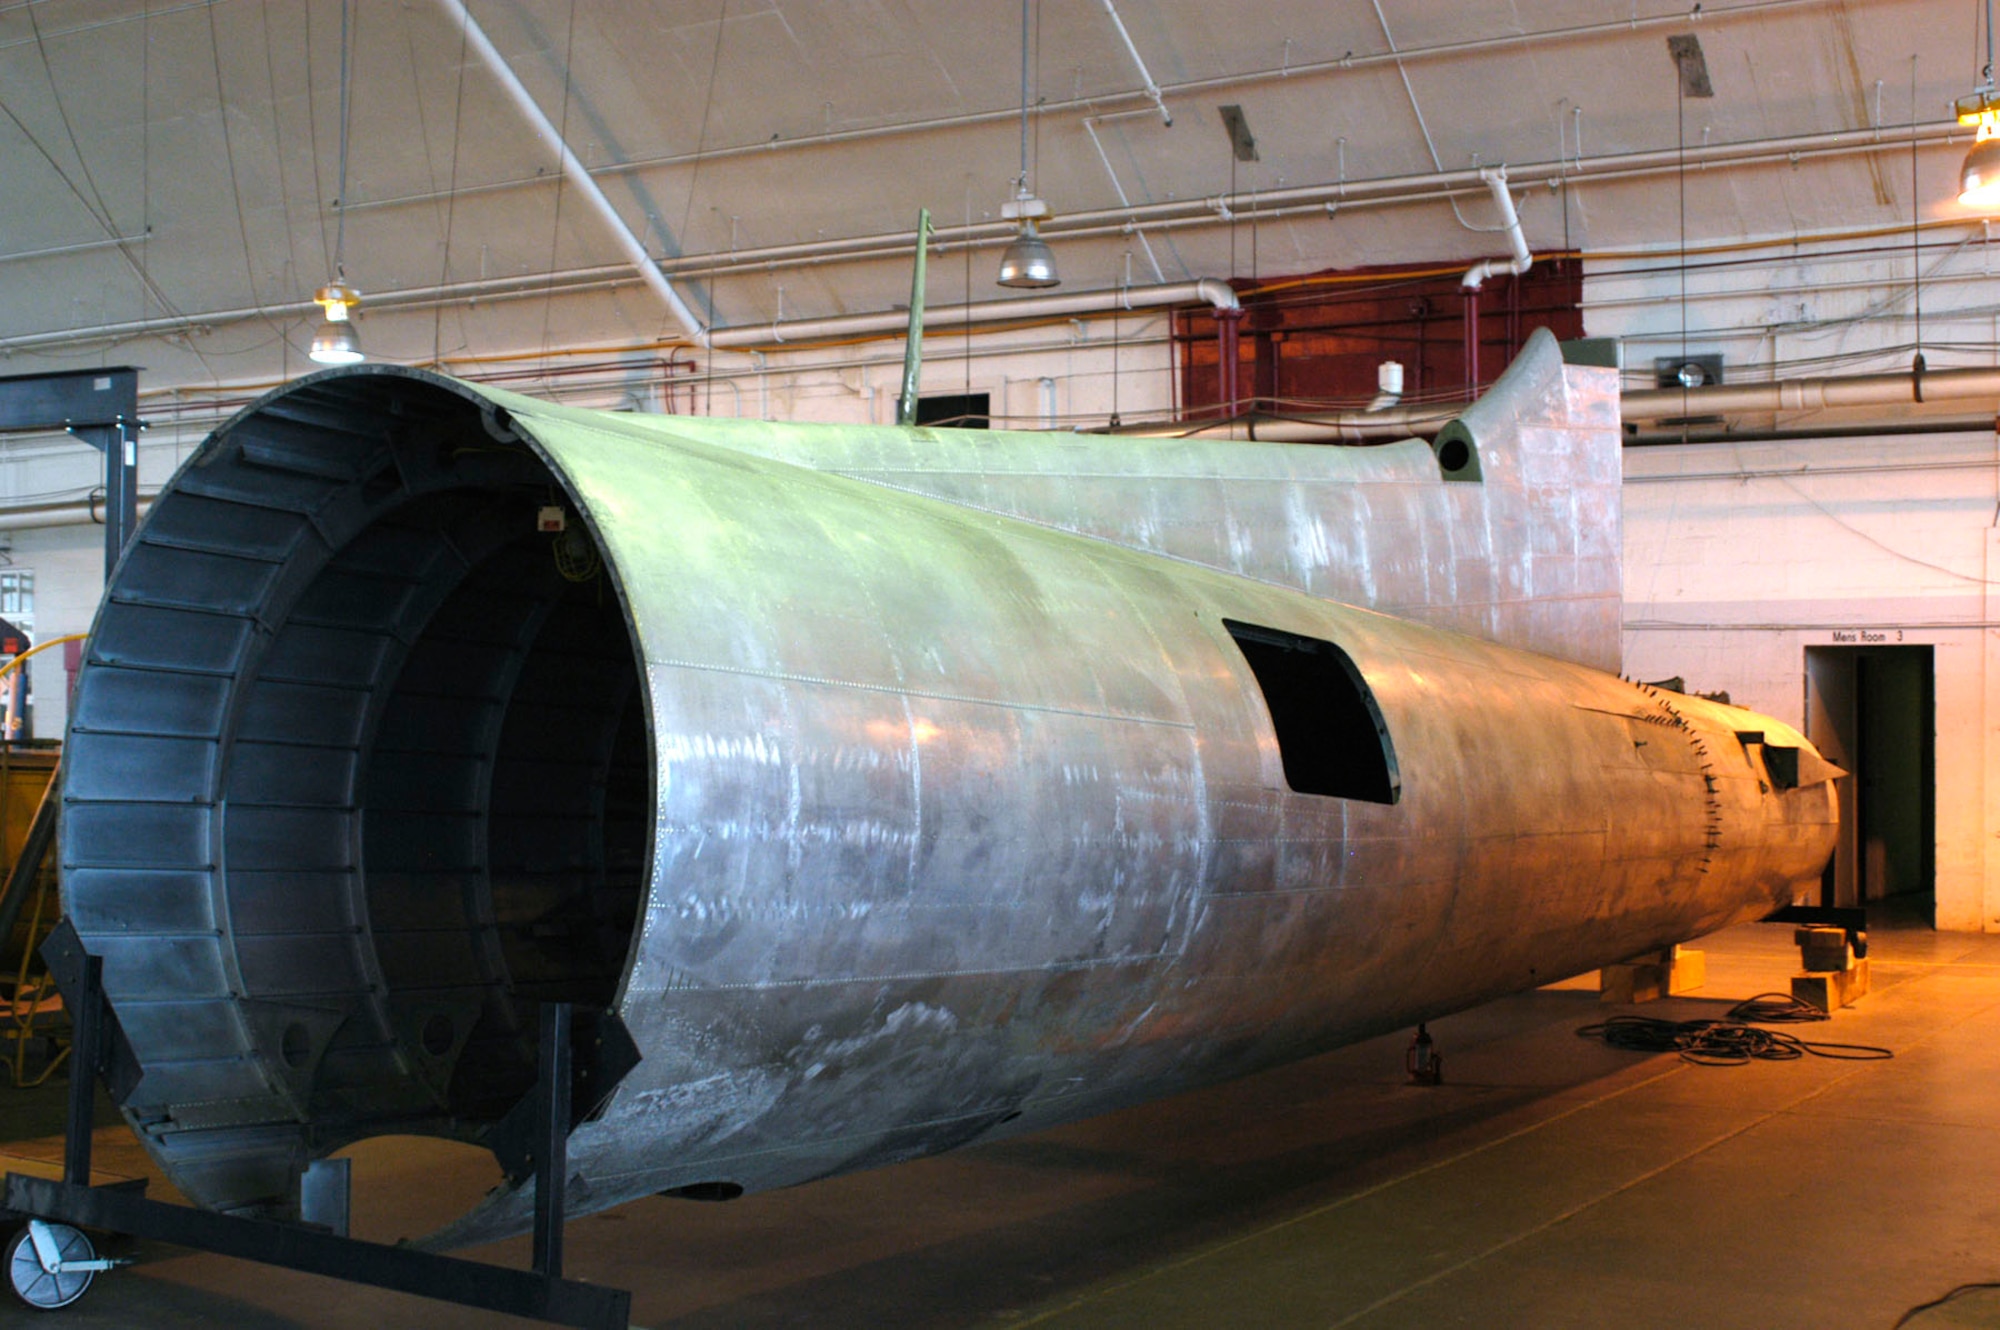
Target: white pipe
[[1209, 290], [575, 171], [41, 515], [1090, 128], [1849, 390], [1402, 422], [1145, 75], [1388, 385], [1476, 275], [83, 246], [1382, 190]]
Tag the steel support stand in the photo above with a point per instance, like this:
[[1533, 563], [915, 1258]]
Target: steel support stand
[[101, 407], [541, 1293], [552, 1143], [119, 442], [86, 1014]]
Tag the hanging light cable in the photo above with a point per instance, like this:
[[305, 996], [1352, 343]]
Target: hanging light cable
[[1979, 178], [336, 342], [1028, 261]]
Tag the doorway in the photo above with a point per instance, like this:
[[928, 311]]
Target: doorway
[[1872, 709]]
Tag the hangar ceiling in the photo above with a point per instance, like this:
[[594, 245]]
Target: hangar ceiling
[[172, 168]]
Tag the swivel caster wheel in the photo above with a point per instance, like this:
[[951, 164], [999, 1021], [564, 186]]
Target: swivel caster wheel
[[51, 1265]]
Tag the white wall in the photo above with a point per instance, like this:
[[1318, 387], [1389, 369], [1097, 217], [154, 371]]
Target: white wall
[[1740, 556], [69, 576]]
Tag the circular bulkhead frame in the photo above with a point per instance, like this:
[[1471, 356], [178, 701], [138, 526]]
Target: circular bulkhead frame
[[358, 773]]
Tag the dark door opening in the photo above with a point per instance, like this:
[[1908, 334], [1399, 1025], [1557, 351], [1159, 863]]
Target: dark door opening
[[1873, 710]]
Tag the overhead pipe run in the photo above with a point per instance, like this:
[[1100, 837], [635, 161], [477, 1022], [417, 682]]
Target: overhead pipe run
[[575, 171], [1646, 404], [1418, 421], [1390, 191], [1210, 291], [1518, 262], [1382, 191], [1370, 426], [1905, 388]]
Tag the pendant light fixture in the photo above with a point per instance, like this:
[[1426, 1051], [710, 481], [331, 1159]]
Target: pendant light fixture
[[1028, 261], [1979, 178], [336, 342]]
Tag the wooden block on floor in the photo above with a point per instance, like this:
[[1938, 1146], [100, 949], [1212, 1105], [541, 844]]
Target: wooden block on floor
[[1823, 949], [1655, 975], [1830, 990]]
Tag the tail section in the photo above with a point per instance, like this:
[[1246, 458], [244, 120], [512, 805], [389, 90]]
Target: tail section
[[1507, 528]]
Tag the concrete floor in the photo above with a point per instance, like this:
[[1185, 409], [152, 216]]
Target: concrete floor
[[1549, 1182]]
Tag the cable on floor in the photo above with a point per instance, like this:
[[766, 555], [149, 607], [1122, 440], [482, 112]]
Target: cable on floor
[[1732, 1041], [1775, 1009], [1923, 1307]]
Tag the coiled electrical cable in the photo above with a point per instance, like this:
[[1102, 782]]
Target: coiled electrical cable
[[1732, 1041]]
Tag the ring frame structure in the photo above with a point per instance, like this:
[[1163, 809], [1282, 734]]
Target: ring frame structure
[[358, 773]]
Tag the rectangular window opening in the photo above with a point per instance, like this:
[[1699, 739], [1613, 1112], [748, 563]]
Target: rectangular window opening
[[1330, 732], [956, 410]]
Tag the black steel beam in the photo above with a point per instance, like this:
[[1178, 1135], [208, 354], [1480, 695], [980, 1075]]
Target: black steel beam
[[101, 407], [69, 398], [404, 1269]]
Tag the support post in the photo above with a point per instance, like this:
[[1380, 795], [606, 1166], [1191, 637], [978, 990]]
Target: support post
[[86, 1013], [913, 342], [119, 442], [552, 1145], [1228, 359], [1471, 343]]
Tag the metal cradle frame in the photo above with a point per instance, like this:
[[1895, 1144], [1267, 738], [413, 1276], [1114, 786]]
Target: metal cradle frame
[[540, 1293]]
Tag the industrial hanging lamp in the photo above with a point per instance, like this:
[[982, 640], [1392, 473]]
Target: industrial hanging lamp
[[1979, 178], [1028, 262], [337, 342]]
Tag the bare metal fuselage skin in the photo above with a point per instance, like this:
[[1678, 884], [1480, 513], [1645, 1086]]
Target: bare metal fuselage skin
[[890, 790]]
